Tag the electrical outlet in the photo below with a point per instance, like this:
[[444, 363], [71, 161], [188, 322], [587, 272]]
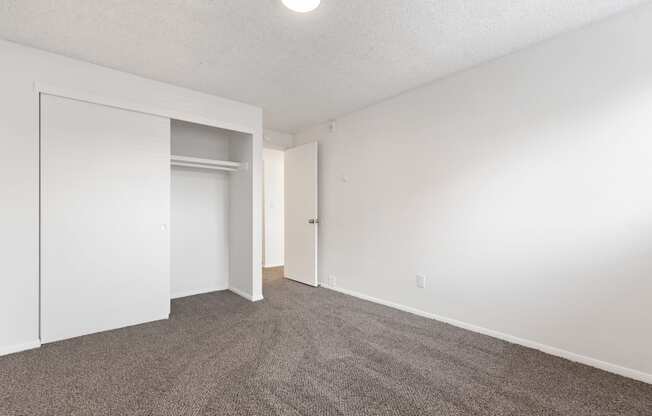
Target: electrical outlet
[[421, 281]]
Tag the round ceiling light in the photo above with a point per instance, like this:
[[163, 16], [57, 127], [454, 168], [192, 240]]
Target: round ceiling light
[[301, 6]]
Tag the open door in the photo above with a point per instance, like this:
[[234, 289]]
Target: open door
[[301, 219]]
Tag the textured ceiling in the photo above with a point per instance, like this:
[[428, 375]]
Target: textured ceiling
[[301, 68]]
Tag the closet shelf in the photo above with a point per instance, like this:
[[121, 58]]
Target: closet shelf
[[197, 162]]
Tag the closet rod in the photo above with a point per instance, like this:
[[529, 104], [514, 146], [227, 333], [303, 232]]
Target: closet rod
[[196, 162], [200, 166], [202, 161]]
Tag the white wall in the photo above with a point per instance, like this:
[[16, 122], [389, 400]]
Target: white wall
[[199, 212], [520, 189], [277, 140], [199, 231], [196, 140], [273, 194], [21, 68], [240, 231]]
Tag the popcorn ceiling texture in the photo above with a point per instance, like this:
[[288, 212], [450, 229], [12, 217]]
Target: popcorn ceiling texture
[[301, 68], [304, 351]]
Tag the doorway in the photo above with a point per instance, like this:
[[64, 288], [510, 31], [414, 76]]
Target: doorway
[[290, 208], [273, 211]]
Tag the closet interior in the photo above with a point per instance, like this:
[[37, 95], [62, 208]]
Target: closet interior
[[209, 168]]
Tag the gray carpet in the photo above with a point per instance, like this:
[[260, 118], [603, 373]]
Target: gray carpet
[[303, 351]]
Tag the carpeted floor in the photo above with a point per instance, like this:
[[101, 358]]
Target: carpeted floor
[[303, 351]]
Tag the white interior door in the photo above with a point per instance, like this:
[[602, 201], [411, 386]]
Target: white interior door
[[301, 214], [105, 184]]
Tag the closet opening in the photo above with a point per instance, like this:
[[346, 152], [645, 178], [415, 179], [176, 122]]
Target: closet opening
[[210, 210]]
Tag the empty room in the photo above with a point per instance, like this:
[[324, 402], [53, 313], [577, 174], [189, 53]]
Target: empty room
[[326, 207]]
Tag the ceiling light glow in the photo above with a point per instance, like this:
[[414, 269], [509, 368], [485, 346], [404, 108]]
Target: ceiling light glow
[[301, 6]]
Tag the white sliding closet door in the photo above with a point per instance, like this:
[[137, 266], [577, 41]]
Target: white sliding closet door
[[105, 184]]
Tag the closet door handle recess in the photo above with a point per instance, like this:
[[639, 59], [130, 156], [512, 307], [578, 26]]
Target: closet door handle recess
[[313, 221]]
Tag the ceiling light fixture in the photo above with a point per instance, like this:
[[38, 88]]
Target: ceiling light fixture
[[301, 6]]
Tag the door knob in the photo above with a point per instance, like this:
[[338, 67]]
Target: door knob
[[313, 221]]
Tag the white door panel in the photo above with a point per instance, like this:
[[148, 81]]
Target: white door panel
[[105, 183], [300, 210]]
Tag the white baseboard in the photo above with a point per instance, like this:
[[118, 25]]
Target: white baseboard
[[11, 349], [197, 292], [246, 295], [592, 362], [271, 266]]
